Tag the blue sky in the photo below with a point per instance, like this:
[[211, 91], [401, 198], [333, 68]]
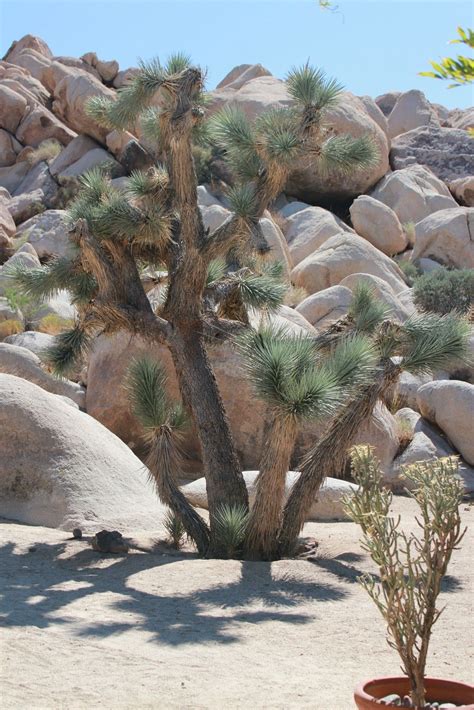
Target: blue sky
[[371, 46]]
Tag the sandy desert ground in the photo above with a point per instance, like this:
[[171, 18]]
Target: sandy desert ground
[[153, 630]]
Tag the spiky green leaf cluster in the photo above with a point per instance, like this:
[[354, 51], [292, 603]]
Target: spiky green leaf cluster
[[146, 386], [261, 291], [230, 527], [68, 350], [311, 87], [431, 342], [345, 153], [366, 310], [44, 282]]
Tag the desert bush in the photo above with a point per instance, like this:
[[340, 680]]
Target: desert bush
[[46, 151], [443, 291], [231, 527], [409, 270], [411, 567], [54, 324], [175, 529], [11, 326]]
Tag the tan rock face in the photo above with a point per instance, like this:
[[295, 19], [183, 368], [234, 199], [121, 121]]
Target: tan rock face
[[448, 237], [70, 97], [327, 306], [340, 256], [18, 361], [413, 193], [28, 42], [69, 471], [308, 229], [78, 147], [12, 108], [378, 224], [463, 190], [47, 233], [410, 111], [240, 75], [7, 151], [450, 405], [7, 225], [39, 124]]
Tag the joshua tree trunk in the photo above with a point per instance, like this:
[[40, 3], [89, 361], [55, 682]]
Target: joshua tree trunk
[[163, 462], [200, 393], [265, 515], [328, 455]]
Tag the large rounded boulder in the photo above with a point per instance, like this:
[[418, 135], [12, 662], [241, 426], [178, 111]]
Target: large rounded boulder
[[60, 468]]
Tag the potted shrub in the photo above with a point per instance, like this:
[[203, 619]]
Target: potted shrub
[[411, 569]]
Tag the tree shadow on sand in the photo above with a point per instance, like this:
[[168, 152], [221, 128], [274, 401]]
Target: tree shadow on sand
[[40, 583]]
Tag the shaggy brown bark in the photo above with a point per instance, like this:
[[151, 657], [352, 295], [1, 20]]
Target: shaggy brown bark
[[266, 513], [163, 462], [328, 455]]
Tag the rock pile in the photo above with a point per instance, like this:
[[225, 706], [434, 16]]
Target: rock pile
[[414, 206]]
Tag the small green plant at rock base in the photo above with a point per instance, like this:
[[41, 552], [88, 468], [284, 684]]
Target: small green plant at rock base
[[410, 232], [19, 301], [409, 270], [175, 529], [411, 567], [443, 291], [231, 527]]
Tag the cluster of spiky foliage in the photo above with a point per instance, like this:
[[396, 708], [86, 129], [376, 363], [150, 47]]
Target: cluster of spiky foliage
[[444, 291], [163, 422], [411, 567], [298, 381], [422, 344], [231, 527], [175, 529]]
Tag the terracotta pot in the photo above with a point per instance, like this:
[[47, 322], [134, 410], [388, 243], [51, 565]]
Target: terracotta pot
[[447, 691]]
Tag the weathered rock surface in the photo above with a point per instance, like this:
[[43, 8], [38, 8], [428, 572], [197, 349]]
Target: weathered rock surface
[[326, 506], [47, 233], [70, 97], [26, 205], [240, 75], [340, 256], [306, 230], [462, 190], [450, 405], [7, 149], [29, 260], [18, 361], [327, 306], [427, 444], [31, 340], [379, 224], [387, 101], [73, 152], [413, 193], [411, 110], [448, 152], [38, 178], [39, 124], [69, 471], [448, 237], [12, 108]]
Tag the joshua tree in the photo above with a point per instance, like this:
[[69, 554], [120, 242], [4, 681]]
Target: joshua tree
[[299, 381], [411, 567], [423, 343], [157, 221]]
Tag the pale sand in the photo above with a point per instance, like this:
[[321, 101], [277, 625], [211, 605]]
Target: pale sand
[[163, 631]]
